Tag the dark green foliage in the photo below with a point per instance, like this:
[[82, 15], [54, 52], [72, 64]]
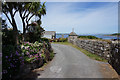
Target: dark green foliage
[[7, 37], [88, 37], [52, 55], [4, 25], [44, 39], [26, 10], [115, 34], [11, 61], [59, 40], [62, 40], [13, 57], [34, 33]]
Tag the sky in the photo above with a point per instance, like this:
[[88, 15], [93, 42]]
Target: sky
[[84, 17]]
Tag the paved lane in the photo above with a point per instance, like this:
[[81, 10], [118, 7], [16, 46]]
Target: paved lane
[[71, 63]]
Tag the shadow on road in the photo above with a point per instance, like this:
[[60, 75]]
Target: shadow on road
[[30, 76]]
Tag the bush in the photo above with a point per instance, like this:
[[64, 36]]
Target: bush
[[7, 37], [44, 39], [32, 51], [34, 33], [62, 39], [88, 37], [27, 53], [59, 40], [11, 61], [35, 51], [51, 55]]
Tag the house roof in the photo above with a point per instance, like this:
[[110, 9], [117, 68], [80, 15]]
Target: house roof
[[72, 34], [49, 32]]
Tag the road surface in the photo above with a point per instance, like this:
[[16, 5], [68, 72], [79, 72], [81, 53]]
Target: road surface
[[71, 63]]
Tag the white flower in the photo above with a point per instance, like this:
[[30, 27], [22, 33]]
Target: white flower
[[22, 46], [26, 47], [23, 54]]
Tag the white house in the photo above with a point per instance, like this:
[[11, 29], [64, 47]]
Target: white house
[[49, 34]]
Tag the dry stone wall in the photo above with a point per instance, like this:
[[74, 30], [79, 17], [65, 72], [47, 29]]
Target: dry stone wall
[[115, 56], [98, 47], [107, 50]]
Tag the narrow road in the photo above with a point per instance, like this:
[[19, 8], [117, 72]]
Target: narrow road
[[71, 63]]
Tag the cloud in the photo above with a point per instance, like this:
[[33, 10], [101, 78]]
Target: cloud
[[17, 19], [80, 0], [84, 17]]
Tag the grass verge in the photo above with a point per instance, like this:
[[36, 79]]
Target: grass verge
[[89, 54]]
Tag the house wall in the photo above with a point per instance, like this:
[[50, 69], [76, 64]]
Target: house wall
[[48, 36]]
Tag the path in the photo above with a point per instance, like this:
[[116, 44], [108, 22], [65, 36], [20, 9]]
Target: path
[[71, 63]]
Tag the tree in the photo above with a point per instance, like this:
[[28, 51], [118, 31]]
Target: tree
[[8, 8], [30, 10], [4, 25], [34, 32], [26, 10]]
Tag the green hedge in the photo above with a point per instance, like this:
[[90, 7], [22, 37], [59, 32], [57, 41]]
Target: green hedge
[[88, 37]]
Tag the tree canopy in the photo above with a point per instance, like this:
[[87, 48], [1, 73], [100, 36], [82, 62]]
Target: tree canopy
[[26, 10]]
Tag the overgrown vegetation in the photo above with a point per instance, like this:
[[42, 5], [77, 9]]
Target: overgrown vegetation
[[21, 49], [115, 34], [89, 54], [26, 10], [59, 40], [88, 37]]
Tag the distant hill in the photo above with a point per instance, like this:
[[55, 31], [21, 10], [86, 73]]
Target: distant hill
[[88, 37], [115, 34]]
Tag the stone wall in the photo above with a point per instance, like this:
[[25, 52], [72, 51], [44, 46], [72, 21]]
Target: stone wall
[[105, 49], [115, 57]]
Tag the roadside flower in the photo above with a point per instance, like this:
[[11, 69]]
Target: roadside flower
[[17, 53], [35, 50], [26, 47], [30, 56], [20, 57], [11, 55], [0, 54], [9, 60], [22, 46], [36, 56], [4, 71], [40, 54], [11, 65], [6, 56], [23, 54], [27, 53], [32, 50]]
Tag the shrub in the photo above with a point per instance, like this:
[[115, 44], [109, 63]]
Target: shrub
[[7, 37], [88, 37], [51, 55], [34, 33], [62, 39], [44, 39], [32, 51], [11, 61], [35, 51]]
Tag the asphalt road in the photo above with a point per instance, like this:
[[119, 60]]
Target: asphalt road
[[71, 63]]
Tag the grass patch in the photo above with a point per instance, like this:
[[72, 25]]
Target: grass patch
[[51, 55], [89, 54]]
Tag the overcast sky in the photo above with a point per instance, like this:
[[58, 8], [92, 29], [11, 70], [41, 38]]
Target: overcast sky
[[84, 17]]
